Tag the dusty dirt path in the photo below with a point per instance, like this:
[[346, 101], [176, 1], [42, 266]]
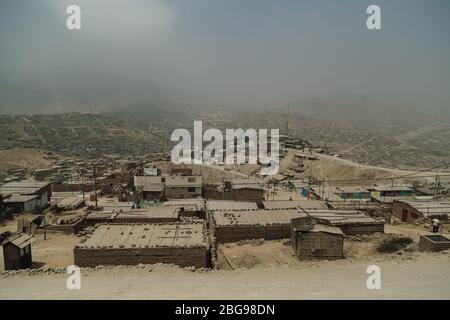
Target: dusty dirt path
[[421, 276]]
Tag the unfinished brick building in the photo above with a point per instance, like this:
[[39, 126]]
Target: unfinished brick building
[[131, 244], [232, 226]]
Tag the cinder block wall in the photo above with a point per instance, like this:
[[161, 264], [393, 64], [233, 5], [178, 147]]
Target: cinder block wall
[[182, 256], [318, 245], [426, 244]]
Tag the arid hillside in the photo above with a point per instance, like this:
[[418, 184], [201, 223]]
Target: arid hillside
[[80, 134]]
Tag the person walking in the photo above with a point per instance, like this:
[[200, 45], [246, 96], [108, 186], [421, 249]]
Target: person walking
[[435, 225]]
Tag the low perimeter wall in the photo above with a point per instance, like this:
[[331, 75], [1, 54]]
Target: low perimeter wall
[[183, 256], [235, 233], [361, 228]]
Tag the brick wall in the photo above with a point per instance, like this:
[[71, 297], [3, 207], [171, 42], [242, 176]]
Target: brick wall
[[183, 256]]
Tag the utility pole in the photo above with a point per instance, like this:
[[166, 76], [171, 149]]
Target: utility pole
[[82, 181], [309, 180], [95, 184], [436, 189], [323, 188]]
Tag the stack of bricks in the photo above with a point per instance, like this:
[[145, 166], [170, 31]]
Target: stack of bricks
[[130, 244]]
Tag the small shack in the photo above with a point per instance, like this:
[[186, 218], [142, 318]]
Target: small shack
[[313, 238], [16, 250]]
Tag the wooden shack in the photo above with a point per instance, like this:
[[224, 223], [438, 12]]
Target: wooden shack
[[17, 251], [313, 238]]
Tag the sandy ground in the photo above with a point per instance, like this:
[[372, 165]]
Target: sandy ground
[[330, 167], [423, 276], [55, 251]]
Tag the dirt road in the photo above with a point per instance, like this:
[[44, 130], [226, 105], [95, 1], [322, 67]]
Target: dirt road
[[420, 276]]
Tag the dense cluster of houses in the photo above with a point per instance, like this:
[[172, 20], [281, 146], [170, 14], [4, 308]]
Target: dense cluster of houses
[[231, 210]]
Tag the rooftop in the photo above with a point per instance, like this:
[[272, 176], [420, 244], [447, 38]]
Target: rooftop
[[155, 212], [389, 188], [350, 189], [284, 216], [126, 236], [295, 204], [20, 240], [23, 187], [14, 198], [429, 208], [217, 205], [198, 203], [389, 199]]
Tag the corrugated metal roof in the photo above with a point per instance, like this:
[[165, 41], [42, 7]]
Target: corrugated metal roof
[[19, 198], [326, 229], [23, 187], [389, 188], [429, 208], [20, 240]]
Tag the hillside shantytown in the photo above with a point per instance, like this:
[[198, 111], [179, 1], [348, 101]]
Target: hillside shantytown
[[224, 150], [111, 212]]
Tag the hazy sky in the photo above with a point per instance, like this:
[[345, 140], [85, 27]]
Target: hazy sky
[[248, 51]]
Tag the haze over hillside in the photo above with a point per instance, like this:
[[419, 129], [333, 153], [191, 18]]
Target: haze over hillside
[[74, 89], [228, 54], [82, 89]]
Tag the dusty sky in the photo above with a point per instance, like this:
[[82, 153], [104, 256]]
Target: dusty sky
[[255, 52]]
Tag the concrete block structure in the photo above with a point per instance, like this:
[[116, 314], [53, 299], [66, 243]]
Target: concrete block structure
[[152, 187], [313, 240], [232, 226], [180, 187], [131, 244], [434, 243]]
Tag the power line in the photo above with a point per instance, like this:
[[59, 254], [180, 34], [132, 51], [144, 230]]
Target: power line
[[388, 178]]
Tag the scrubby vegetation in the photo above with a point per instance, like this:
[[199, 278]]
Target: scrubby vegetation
[[394, 244]]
